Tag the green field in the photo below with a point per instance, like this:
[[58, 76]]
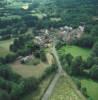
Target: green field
[[63, 91], [75, 51], [4, 47], [39, 15], [29, 70], [92, 88]]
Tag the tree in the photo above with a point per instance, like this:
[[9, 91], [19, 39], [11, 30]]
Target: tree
[[10, 58], [69, 58], [86, 41], [84, 91], [5, 72], [94, 31], [95, 49], [90, 62], [16, 91], [94, 72], [76, 68], [4, 95], [30, 84]]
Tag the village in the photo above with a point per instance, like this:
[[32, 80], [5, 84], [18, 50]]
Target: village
[[45, 39], [66, 33]]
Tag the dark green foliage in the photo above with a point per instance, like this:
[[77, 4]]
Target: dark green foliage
[[49, 71], [78, 83], [90, 62], [76, 66], [84, 91], [69, 58], [95, 50], [5, 72], [22, 46], [8, 58], [4, 95], [94, 72], [94, 31], [31, 21], [30, 84], [60, 44], [85, 41]]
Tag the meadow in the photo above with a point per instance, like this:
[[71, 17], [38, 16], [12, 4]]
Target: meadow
[[92, 88], [29, 70], [4, 47], [75, 51]]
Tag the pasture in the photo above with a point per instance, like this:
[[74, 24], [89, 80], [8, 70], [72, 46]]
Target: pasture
[[75, 51], [29, 70], [92, 88], [4, 47]]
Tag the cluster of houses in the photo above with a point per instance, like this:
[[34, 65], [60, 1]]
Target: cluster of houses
[[43, 39], [68, 34]]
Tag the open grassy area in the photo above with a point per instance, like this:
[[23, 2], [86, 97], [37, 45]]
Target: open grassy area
[[11, 17], [4, 47], [29, 70], [39, 93], [75, 51], [92, 88], [63, 91], [39, 15]]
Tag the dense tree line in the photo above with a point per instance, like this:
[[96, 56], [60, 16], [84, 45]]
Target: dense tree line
[[77, 66]]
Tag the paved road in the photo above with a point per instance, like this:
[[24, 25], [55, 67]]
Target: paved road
[[50, 89]]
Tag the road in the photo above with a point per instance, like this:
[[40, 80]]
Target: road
[[60, 72], [68, 78]]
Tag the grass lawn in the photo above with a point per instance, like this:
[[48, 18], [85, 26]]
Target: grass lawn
[[39, 15], [63, 91], [92, 88], [4, 47], [75, 51], [38, 94], [29, 70]]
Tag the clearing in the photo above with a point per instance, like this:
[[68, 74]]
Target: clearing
[[29, 70], [92, 88], [4, 47], [75, 51]]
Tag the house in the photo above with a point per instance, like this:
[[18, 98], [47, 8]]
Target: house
[[38, 40], [67, 33]]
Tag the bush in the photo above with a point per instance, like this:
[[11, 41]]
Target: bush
[[78, 83], [94, 72], [84, 91], [4, 95], [36, 62], [49, 71]]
